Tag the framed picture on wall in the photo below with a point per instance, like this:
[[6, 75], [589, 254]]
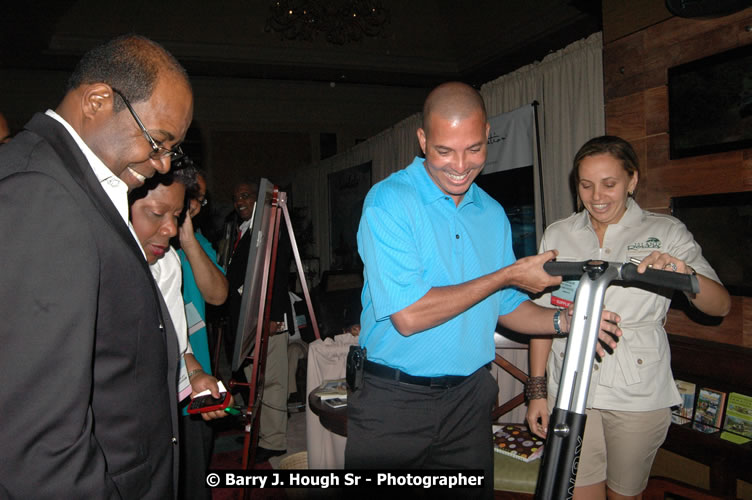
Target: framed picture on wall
[[347, 191], [710, 104]]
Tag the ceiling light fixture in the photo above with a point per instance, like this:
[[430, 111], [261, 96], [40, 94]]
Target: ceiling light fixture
[[341, 21]]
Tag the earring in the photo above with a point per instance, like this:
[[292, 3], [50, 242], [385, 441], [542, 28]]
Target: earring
[[630, 193]]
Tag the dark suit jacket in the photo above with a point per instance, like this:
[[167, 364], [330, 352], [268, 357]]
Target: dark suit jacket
[[88, 372], [236, 271]]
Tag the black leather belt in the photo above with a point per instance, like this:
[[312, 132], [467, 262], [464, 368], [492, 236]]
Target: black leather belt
[[388, 373]]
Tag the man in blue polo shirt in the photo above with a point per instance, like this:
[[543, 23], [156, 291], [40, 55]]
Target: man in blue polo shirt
[[439, 274]]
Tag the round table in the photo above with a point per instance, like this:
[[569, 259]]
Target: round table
[[333, 419]]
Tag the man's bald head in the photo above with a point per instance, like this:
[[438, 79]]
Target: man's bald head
[[452, 101], [4, 130]]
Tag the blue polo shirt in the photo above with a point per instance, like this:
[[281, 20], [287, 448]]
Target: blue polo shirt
[[412, 238]]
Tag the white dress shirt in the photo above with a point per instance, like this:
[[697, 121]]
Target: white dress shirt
[[168, 274], [115, 189]]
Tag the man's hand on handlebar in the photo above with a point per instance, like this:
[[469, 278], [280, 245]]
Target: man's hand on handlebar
[[527, 273]]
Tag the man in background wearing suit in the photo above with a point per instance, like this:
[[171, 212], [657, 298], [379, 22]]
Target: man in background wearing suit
[[238, 243], [273, 415], [88, 357]]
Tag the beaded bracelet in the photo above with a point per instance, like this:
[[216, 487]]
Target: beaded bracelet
[[535, 388]]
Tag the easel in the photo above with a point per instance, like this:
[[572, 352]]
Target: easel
[[258, 358]]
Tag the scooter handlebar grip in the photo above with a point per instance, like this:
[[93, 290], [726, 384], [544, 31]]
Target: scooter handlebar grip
[[572, 269], [668, 279]]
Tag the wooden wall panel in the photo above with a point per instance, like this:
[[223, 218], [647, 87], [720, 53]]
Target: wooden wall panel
[[694, 38], [629, 50], [717, 173], [656, 111], [636, 101], [625, 117], [636, 105], [621, 18], [734, 329], [747, 171], [623, 68], [639, 61]]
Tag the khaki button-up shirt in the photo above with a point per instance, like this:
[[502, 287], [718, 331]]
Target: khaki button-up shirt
[[637, 377]]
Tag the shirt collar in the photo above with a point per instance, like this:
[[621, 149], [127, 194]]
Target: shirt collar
[[245, 225], [430, 192], [100, 169], [116, 190], [631, 218]]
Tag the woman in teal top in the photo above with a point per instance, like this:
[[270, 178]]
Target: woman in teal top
[[203, 281]]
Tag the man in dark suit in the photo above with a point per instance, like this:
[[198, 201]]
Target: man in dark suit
[[238, 243], [88, 356]]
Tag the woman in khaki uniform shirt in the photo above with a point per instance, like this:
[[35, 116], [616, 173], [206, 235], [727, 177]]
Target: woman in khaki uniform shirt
[[631, 392]]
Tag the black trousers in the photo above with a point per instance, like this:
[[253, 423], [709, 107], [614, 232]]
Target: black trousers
[[392, 425], [195, 453]]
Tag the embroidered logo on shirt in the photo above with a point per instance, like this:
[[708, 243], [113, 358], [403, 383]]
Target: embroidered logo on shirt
[[651, 242]]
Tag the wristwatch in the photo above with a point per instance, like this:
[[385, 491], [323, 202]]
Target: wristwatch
[[557, 322]]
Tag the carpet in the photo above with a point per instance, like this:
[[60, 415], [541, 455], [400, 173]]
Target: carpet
[[228, 454]]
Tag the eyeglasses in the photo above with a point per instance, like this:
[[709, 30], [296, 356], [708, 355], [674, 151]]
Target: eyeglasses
[[158, 152], [242, 196]]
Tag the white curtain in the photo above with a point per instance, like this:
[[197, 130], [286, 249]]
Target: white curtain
[[389, 151], [567, 84]]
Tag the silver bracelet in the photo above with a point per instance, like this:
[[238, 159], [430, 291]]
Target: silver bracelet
[[194, 372]]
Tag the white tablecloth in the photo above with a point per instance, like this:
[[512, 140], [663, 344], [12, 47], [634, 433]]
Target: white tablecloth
[[326, 361]]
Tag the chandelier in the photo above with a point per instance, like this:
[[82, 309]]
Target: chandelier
[[341, 21]]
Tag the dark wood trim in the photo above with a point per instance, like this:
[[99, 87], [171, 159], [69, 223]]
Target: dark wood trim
[[333, 419], [659, 487], [726, 368]]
